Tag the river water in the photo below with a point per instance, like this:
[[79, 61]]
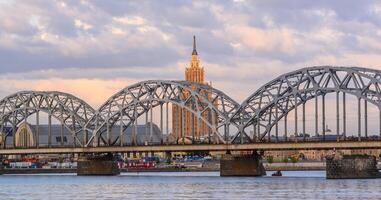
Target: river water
[[186, 185]]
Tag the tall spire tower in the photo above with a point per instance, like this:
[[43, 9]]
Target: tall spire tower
[[184, 123], [194, 52], [194, 73]]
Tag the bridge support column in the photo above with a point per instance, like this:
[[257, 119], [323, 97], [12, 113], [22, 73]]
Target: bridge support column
[[1, 166], [242, 165], [168, 156], [98, 165], [352, 167]]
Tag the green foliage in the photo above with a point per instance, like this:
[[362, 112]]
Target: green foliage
[[294, 159], [285, 160], [270, 159], [198, 153], [357, 156]]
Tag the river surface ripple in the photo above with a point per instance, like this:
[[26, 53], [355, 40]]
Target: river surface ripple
[[186, 185]]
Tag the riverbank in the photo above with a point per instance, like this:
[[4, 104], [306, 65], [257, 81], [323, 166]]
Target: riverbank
[[39, 171], [302, 166], [74, 170]]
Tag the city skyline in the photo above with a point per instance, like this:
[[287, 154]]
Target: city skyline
[[76, 46], [190, 99], [188, 124]]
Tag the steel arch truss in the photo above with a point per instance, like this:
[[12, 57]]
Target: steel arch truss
[[277, 98], [71, 111], [124, 108]]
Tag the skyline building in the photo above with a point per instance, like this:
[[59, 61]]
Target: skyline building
[[184, 123]]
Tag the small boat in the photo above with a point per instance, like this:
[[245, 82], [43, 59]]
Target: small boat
[[277, 173]]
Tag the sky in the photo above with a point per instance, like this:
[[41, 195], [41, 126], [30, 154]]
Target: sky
[[93, 49]]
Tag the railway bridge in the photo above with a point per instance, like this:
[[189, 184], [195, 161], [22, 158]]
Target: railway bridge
[[287, 113]]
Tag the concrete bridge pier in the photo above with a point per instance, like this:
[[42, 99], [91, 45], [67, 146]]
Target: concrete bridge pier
[[351, 167], [97, 165], [168, 156], [1, 166], [242, 165]]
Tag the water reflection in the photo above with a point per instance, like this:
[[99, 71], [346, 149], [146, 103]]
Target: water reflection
[[190, 185]]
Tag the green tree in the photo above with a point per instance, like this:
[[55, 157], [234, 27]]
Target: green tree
[[294, 159], [285, 160], [169, 161], [270, 159], [302, 156]]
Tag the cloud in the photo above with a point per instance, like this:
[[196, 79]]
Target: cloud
[[134, 20], [121, 34], [75, 46], [93, 91], [79, 24]]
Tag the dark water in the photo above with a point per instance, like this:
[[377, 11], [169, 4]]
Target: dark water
[[192, 185]]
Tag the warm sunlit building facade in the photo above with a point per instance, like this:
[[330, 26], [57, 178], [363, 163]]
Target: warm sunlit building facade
[[319, 155], [192, 125]]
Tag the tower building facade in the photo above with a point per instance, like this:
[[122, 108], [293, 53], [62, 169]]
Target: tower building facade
[[184, 123]]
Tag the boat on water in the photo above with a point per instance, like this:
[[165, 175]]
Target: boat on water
[[277, 173]]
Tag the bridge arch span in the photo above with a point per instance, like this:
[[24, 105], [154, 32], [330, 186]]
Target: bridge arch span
[[276, 99], [123, 110], [72, 112]]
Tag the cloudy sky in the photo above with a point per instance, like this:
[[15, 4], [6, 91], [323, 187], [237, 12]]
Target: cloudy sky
[[95, 48]]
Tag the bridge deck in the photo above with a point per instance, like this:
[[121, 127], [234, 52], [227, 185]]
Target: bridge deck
[[201, 147]]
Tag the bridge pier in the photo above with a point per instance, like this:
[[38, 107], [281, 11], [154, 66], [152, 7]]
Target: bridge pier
[[1, 167], [168, 156], [351, 167], [97, 165], [242, 165]]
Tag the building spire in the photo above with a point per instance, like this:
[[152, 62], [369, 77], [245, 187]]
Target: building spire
[[194, 52]]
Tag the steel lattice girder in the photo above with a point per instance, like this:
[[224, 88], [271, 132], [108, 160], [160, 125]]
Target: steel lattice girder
[[71, 111], [127, 105], [281, 95], [295, 88]]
